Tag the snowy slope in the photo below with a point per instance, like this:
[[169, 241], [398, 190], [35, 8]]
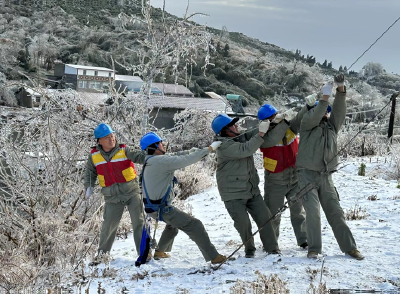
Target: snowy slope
[[377, 237]]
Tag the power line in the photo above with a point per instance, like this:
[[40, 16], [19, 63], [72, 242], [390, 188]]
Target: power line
[[374, 42], [370, 110]]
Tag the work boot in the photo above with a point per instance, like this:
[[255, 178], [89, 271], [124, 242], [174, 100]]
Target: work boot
[[219, 259], [276, 251], [304, 245], [356, 254], [159, 254], [312, 255], [249, 255]]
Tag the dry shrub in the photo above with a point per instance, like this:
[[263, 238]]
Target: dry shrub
[[180, 290], [14, 272], [356, 213], [394, 152], [361, 145], [373, 197], [192, 180], [320, 289], [140, 276], [263, 284], [312, 273], [361, 170]]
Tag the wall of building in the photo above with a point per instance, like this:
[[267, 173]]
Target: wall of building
[[90, 72], [92, 85], [59, 69], [24, 98], [165, 117], [70, 70]]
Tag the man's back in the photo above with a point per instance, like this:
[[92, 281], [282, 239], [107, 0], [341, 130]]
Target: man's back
[[318, 138]]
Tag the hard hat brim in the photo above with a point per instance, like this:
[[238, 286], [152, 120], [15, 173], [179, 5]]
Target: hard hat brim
[[234, 120]]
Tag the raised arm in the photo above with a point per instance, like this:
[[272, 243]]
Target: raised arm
[[312, 118], [174, 162], [135, 155], [234, 149], [338, 114], [296, 121], [275, 135]]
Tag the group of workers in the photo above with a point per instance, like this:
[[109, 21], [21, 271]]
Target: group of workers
[[290, 165]]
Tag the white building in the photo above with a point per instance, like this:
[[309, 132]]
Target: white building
[[82, 77]]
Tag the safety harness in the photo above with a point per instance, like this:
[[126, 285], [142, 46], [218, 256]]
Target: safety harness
[[160, 206]]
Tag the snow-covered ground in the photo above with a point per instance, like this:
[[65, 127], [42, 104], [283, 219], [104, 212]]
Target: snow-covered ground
[[377, 237]]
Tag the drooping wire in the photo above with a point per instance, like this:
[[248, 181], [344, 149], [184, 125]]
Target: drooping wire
[[374, 43]]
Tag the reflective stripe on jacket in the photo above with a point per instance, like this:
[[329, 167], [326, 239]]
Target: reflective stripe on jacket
[[119, 169], [283, 155]]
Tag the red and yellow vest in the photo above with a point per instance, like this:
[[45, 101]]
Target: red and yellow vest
[[119, 169], [283, 155]]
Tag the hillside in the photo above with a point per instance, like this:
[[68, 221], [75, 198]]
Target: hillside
[[33, 37]]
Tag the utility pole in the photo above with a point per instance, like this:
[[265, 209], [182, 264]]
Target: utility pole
[[392, 113]]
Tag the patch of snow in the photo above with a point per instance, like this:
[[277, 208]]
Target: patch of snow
[[377, 237]]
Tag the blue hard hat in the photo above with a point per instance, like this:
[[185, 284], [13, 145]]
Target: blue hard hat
[[148, 139], [329, 107], [221, 121], [266, 111], [102, 130]]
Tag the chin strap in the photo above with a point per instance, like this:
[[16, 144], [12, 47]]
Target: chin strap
[[232, 132], [151, 148]]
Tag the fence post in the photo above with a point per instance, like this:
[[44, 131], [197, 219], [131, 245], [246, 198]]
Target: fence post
[[392, 113]]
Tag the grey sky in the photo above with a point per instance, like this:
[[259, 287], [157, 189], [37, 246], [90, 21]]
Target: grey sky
[[337, 30]]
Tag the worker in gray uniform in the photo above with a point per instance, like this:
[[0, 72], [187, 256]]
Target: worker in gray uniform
[[280, 173], [157, 186], [316, 160], [238, 180]]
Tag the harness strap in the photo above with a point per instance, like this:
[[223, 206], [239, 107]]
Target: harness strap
[[159, 207]]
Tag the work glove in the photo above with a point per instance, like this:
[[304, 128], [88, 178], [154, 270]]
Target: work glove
[[310, 99], [339, 80], [327, 89], [264, 126], [288, 115], [214, 145], [89, 192]]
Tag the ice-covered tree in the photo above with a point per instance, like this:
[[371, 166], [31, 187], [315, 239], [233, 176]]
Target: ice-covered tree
[[171, 44], [372, 69]]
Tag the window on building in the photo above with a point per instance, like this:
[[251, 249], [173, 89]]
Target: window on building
[[109, 74], [96, 73], [37, 98], [95, 85], [82, 84], [84, 72]]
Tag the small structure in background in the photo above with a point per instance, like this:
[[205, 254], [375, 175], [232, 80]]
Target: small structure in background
[[81, 77], [125, 83], [236, 102], [173, 90], [164, 108], [28, 98], [248, 120]]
